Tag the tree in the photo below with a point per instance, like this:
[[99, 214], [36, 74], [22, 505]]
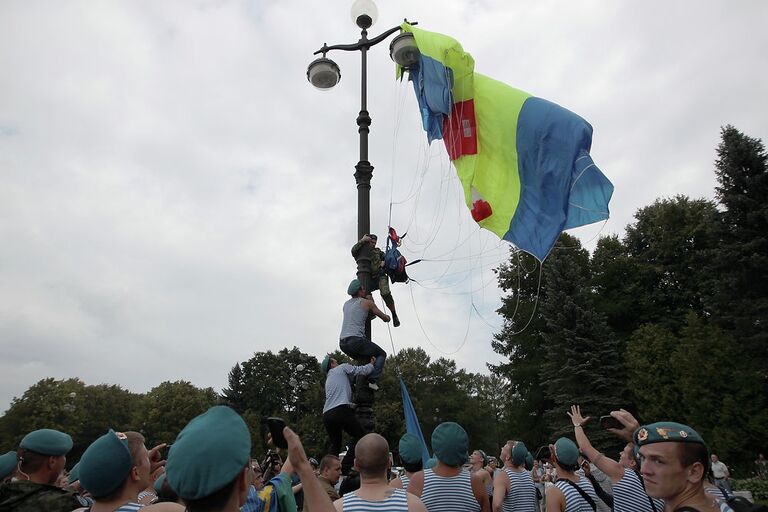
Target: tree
[[741, 264], [167, 408], [582, 364], [671, 244], [234, 395], [650, 374]]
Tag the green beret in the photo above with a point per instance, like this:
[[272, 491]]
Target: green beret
[[159, 483], [519, 453], [105, 464], [432, 462], [450, 442], [410, 449], [325, 365], [8, 463], [529, 461], [666, 431], [47, 441], [208, 454], [74, 474], [566, 452], [354, 287]]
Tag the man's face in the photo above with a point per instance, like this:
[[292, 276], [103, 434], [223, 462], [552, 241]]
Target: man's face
[[662, 470], [476, 457], [57, 468], [332, 473], [627, 457], [714, 458], [143, 467], [257, 478]]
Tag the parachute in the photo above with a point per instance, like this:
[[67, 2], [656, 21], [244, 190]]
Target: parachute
[[523, 161]]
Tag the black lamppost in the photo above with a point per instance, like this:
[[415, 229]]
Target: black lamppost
[[323, 73]]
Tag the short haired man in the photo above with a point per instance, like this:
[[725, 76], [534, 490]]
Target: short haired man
[[372, 462], [352, 339], [448, 487], [628, 491], [513, 487], [330, 472], [571, 492], [115, 468], [410, 451], [42, 455], [721, 475], [209, 467], [674, 463], [338, 414]]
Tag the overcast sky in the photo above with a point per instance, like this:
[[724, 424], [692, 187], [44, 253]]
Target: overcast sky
[[176, 196]]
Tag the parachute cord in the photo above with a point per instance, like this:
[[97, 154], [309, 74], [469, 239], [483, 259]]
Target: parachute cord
[[535, 305], [418, 318]]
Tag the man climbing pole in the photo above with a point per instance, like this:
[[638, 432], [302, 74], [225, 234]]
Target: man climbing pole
[[352, 340], [379, 278]]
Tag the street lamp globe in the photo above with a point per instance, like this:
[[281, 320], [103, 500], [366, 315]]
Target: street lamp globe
[[403, 50], [323, 73], [364, 13]]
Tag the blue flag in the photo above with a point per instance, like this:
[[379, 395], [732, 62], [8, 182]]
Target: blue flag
[[412, 422]]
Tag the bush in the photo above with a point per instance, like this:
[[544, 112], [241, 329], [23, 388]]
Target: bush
[[758, 487]]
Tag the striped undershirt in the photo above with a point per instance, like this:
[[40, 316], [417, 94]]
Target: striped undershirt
[[449, 493], [629, 495], [574, 502], [397, 502], [522, 493]]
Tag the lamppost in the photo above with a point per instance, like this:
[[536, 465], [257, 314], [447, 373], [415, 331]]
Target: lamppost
[[323, 73], [298, 382]]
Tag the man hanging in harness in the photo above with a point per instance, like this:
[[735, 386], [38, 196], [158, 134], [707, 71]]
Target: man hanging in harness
[[379, 277]]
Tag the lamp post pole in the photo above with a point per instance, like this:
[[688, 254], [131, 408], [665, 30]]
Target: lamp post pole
[[323, 73]]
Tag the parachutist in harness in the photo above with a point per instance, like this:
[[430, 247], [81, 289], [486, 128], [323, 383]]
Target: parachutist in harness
[[380, 269]]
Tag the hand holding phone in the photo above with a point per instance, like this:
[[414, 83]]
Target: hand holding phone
[[610, 422], [276, 426]]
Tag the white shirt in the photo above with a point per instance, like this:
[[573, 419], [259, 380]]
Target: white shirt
[[719, 470]]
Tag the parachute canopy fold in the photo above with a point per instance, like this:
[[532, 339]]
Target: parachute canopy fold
[[523, 161]]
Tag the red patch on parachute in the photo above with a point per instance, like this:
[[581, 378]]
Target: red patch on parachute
[[460, 130], [481, 209]]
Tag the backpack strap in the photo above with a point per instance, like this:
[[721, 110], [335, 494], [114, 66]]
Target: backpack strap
[[584, 495], [642, 482]]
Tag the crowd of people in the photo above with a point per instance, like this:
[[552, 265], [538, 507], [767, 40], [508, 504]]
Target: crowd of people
[[664, 466]]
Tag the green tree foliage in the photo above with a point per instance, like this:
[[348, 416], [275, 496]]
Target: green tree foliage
[[168, 407], [741, 264], [671, 244], [582, 360], [84, 412], [650, 374]]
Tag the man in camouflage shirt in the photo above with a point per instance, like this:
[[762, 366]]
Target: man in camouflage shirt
[[42, 456], [379, 277]]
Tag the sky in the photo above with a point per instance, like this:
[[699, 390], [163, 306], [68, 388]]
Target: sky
[[176, 196]]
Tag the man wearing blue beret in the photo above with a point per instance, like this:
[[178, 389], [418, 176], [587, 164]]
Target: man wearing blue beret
[[571, 490], [409, 449], [8, 464], [209, 468], [115, 468], [447, 486], [674, 462], [42, 456]]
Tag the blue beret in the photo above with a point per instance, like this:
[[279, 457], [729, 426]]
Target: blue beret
[[529, 461], [519, 453], [354, 287], [105, 464], [74, 474], [410, 449], [566, 451], [208, 454], [47, 441], [325, 364], [450, 442], [8, 463], [666, 431]]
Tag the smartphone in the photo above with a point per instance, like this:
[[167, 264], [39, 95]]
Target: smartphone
[[165, 451], [544, 453], [610, 422], [276, 426]]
